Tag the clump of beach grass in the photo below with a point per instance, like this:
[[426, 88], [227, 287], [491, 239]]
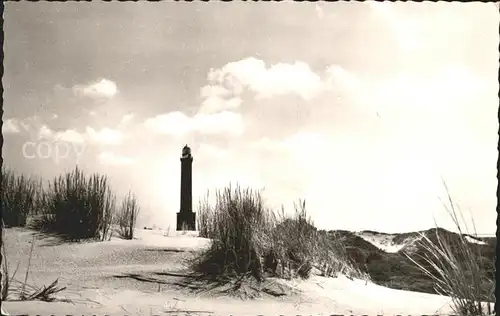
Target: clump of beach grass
[[127, 216], [78, 207], [457, 268], [250, 239], [20, 196]]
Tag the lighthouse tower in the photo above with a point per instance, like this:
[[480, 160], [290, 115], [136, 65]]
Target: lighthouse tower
[[186, 218]]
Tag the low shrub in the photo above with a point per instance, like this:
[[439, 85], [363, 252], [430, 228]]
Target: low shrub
[[78, 207], [456, 268], [127, 216], [250, 239], [20, 197]]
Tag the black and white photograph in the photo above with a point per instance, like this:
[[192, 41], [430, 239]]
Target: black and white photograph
[[249, 158]]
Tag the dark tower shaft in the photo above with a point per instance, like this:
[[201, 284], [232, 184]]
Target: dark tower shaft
[[186, 185], [186, 218]]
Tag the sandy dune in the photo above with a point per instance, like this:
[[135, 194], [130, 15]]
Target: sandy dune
[[147, 276]]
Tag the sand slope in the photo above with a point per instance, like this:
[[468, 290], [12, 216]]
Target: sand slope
[[146, 276]]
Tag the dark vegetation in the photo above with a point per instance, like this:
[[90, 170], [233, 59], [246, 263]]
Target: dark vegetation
[[249, 239], [398, 271], [73, 206], [127, 216], [21, 197]]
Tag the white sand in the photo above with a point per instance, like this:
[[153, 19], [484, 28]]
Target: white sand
[[473, 240], [92, 271], [386, 242]]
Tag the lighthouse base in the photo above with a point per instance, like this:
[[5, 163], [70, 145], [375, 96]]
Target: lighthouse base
[[186, 221]]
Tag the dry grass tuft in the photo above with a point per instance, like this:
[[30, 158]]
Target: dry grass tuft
[[78, 207], [20, 196], [127, 216], [249, 239], [21, 289], [73, 206], [458, 269]]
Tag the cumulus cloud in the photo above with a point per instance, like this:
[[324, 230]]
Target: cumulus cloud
[[179, 124], [275, 80], [11, 126], [220, 123], [114, 159], [16, 125], [105, 136], [100, 89], [173, 123], [216, 104], [127, 119], [214, 91], [339, 78], [223, 95], [40, 129], [69, 135]]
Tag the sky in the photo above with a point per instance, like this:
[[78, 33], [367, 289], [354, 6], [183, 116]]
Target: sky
[[361, 109]]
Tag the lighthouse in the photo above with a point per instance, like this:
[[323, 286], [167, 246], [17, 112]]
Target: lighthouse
[[186, 218]]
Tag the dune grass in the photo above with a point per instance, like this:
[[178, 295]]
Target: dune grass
[[21, 196], [22, 290], [127, 216], [249, 239], [73, 206], [77, 207], [457, 268]]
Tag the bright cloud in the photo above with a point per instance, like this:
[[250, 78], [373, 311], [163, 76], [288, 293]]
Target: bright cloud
[[341, 79], [127, 119], [16, 125], [11, 126], [223, 95], [105, 136], [214, 91], [101, 89], [173, 123], [114, 159], [178, 124], [220, 123], [70, 135], [215, 104], [278, 79]]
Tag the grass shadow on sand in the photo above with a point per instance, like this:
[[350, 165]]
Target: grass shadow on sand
[[171, 249], [53, 239], [243, 287]]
